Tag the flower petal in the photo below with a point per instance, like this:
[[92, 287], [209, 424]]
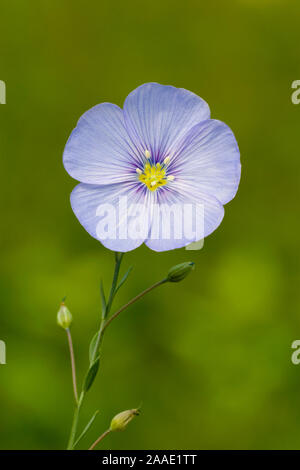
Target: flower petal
[[157, 116], [183, 215], [209, 157], [99, 150], [118, 215]]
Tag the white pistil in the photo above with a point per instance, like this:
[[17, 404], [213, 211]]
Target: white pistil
[[147, 154], [167, 160], [170, 178], [153, 183], [139, 172]]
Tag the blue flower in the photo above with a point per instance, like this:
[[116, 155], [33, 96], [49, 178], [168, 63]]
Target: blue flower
[[162, 151]]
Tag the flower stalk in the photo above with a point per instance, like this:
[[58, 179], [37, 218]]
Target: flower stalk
[[99, 439], [73, 367], [176, 274], [132, 301], [75, 423], [106, 308]]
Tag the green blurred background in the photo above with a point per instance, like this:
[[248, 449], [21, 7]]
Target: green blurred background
[[209, 357]]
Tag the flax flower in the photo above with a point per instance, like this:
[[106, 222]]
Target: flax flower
[[159, 152]]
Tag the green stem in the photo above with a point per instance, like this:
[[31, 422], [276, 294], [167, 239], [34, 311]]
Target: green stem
[[119, 257], [118, 260], [72, 357], [99, 439], [103, 325], [132, 301], [105, 312], [75, 423]]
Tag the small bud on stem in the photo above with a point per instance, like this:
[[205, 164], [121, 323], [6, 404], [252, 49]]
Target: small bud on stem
[[180, 271], [120, 421], [64, 317]]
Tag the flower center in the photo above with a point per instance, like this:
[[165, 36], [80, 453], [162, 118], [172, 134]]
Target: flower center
[[154, 175]]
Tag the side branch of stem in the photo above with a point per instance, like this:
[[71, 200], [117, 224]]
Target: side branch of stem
[[103, 325], [132, 301], [72, 357], [99, 439]]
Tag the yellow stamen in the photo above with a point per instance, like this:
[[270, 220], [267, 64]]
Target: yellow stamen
[[138, 171], [167, 160], [153, 176], [147, 154], [170, 178]]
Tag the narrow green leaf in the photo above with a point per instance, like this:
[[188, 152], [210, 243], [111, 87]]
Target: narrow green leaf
[[103, 300], [91, 375], [89, 424], [92, 347], [124, 278]]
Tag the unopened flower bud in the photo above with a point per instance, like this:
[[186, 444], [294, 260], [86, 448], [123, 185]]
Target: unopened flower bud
[[64, 317], [120, 421], [180, 271]]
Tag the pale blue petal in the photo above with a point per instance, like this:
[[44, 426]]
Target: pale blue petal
[[99, 150], [206, 209], [209, 157], [91, 203], [158, 116]]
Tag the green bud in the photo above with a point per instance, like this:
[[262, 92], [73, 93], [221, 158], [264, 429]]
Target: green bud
[[120, 421], [180, 271], [64, 317]]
